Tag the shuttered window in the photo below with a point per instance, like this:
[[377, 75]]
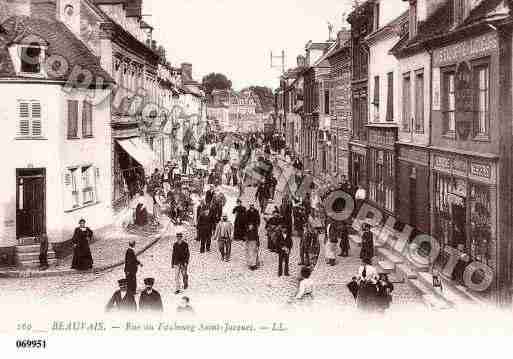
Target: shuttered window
[[80, 186], [419, 102], [406, 102], [390, 97], [87, 119], [72, 119], [29, 119]]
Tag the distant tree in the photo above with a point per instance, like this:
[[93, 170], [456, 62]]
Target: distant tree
[[265, 95], [215, 81]]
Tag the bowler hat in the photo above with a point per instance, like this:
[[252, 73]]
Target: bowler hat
[[149, 281]]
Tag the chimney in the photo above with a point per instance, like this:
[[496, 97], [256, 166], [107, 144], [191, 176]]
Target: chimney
[[301, 61], [186, 71]]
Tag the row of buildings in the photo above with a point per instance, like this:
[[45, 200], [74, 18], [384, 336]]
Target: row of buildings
[[413, 102], [89, 103], [239, 112]]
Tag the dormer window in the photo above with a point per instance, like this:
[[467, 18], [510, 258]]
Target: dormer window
[[28, 56], [31, 59]]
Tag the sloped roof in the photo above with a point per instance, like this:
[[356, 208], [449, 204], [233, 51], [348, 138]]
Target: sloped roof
[[61, 41], [440, 23]]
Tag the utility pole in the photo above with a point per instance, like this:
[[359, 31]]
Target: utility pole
[[282, 58]]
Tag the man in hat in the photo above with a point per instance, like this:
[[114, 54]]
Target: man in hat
[[131, 266], [180, 260], [150, 300], [224, 235], [252, 216], [122, 300], [239, 230]]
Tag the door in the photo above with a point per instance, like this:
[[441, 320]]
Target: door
[[30, 202], [413, 201]]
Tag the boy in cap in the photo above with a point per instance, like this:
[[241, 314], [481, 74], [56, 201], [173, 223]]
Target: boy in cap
[[122, 300], [150, 300], [180, 259]]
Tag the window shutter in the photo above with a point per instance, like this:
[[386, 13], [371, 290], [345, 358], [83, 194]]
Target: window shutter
[[390, 97], [87, 119], [36, 119], [68, 203], [376, 91], [96, 183], [72, 119], [24, 118]]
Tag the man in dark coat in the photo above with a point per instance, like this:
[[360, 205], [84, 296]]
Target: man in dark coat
[[180, 260], [367, 251], [131, 266], [273, 227], [43, 252], [122, 300], [344, 240], [283, 246], [239, 226], [150, 300], [204, 229], [209, 195], [252, 216]]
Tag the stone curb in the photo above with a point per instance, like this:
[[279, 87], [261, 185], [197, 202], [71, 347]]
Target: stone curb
[[64, 272]]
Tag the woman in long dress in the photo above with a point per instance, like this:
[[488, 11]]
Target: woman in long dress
[[82, 258], [252, 246]]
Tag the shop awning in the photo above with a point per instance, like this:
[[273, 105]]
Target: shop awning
[[141, 152]]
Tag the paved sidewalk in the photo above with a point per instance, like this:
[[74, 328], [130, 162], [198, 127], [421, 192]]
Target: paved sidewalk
[[108, 251]]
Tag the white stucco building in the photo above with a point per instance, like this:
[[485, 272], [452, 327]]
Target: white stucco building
[[55, 136]]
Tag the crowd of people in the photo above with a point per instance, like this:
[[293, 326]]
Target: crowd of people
[[300, 218]]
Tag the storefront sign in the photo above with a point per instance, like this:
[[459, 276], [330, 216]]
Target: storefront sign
[[442, 162], [460, 166], [359, 150], [480, 170], [410, 154], [471, 48]]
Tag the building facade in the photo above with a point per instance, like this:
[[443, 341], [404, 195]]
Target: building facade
[[361, 20], [340, 104], [59, 127], [383, 110]]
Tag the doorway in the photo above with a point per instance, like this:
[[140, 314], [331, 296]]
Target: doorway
[[30, 202]]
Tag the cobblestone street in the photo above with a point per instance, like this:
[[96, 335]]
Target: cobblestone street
[[213, 284]]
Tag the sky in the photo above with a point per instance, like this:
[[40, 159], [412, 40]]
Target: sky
[[236, 37]]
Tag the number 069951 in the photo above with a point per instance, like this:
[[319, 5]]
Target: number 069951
[[31, 344]]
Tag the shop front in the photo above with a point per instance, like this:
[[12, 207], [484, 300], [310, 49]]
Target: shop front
[[412, 197], [381, 166], [464, 209], [133, 162]]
